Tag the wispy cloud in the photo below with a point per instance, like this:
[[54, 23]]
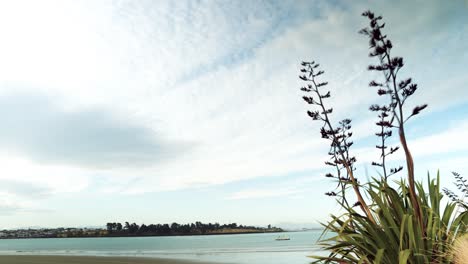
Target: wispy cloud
[[23, 189], [263, 193], [20, 196], [41, 131]]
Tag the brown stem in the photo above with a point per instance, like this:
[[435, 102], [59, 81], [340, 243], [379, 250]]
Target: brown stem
[[410, 166], [384, 168], [363, 204]]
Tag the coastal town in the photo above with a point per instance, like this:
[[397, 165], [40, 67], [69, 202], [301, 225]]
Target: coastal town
[[52, 233]]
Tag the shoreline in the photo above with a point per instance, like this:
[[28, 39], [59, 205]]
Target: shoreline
[[51, 259], [175, 235]]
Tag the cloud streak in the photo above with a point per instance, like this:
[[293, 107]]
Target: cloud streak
[[94, 138], [263, 193]]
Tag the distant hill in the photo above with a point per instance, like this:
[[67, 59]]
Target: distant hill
[[289, 226]]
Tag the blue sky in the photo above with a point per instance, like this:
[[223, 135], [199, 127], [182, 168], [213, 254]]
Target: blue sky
[[162, 111]]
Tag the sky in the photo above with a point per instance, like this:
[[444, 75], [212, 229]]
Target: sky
[[184, 111]]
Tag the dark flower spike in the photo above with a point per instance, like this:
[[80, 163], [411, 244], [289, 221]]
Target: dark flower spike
[[418, 109], [338, 137], [397, 91]]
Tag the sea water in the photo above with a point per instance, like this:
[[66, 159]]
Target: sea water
[[237, 249]]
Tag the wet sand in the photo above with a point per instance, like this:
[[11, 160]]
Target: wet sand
[[89, 260]]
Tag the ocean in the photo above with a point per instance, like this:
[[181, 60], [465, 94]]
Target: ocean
[[236, 249]]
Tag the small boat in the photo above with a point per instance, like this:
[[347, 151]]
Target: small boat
[[283, 237]]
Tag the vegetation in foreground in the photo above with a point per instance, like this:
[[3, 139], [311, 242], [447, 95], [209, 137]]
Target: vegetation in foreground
[[391, 222]]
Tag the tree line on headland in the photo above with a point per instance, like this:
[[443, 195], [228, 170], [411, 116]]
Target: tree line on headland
[[197, 228]]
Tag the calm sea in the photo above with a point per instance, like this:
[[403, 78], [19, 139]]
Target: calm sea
[[239, 249]]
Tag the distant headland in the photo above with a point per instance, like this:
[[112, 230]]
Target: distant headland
[[132, 229]]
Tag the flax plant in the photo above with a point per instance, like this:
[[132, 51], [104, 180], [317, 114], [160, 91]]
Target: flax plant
[[403, 222], [396, 236]]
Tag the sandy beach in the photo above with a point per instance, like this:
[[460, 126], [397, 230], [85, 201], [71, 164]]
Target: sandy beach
[[88, 260]]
